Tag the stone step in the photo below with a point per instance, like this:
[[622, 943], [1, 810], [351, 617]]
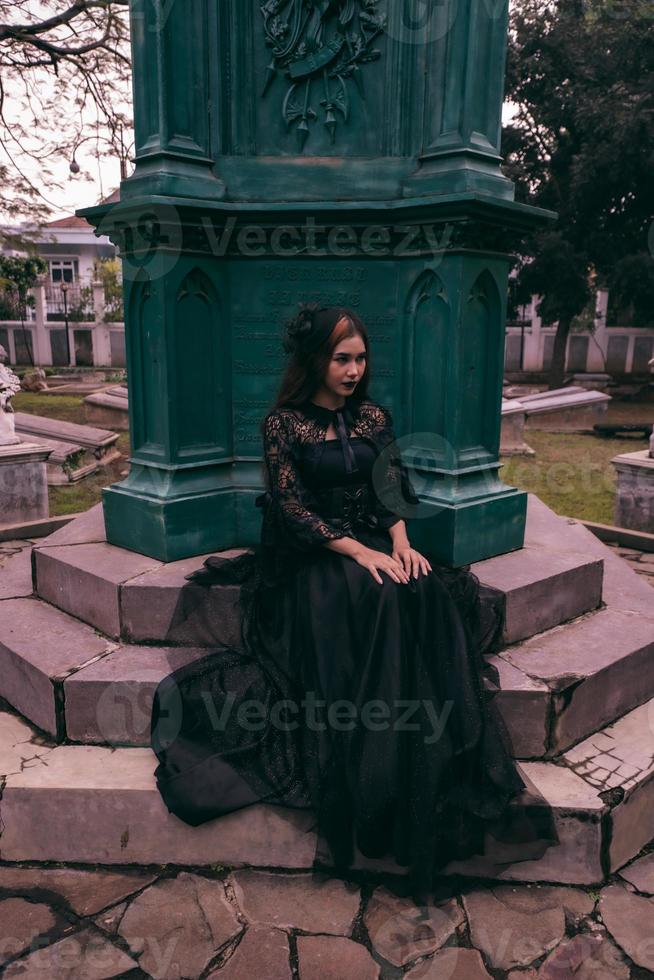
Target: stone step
[[134, 598], [547, 582], [70, 681], [85, 687], [108, 699], [574, 679], [40, 647], [109, 702], [103, 807], [587, 673]]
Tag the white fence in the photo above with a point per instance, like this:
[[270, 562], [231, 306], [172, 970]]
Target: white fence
[[612, 350], [45, 339], [95, 343]]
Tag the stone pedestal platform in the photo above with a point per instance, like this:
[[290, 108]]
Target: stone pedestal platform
[[80, 658], [634, 501], [23, 482]]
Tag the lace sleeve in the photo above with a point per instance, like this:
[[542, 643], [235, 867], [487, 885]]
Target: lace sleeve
[[288, 494], [391, 484]]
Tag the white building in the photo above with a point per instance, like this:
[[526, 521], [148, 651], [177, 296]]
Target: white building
[[67, 323]]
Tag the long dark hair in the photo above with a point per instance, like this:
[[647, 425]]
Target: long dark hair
[[306, 369]]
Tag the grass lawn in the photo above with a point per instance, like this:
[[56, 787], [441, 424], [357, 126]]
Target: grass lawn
[[572, 474]]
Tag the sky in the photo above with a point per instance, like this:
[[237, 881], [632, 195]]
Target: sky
[[42, 103]]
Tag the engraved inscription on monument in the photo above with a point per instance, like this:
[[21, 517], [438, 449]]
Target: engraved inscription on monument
[[261, 307]]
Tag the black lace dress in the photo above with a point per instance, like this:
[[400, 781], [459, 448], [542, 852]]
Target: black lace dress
[[370, 704]]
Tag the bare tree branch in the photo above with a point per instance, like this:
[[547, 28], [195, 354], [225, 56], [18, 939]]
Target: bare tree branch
[[63, 79], [22, 32]]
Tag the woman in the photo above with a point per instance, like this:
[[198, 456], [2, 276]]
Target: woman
[[360, 690]]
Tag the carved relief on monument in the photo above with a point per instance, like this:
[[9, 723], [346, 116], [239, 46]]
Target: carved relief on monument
[[319, 47]]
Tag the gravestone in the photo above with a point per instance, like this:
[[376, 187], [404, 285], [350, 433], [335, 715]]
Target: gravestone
[[340, 151]]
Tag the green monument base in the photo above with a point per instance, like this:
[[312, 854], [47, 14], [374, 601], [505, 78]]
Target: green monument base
[[189, 514], [459, 534]]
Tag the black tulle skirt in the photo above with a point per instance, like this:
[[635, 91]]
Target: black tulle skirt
[[372, 705]]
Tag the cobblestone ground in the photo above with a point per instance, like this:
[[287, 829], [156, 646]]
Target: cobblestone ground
[[68, 923], [641, 561]]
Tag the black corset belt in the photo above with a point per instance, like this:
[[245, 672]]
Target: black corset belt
[[347, 505]]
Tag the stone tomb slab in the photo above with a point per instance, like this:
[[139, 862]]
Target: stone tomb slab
[[23, 483], [39, 647]]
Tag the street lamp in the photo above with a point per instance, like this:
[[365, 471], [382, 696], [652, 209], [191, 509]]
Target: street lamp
[[74, 166], [64, 290]]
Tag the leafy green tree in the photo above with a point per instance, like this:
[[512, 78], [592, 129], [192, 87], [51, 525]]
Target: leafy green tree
[[109, 273], [17, 276], [581, 143]]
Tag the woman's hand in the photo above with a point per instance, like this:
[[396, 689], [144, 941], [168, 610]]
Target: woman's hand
[[411, 560], [376, 561]]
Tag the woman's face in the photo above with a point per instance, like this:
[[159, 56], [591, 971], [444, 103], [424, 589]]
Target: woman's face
[[346, 367]]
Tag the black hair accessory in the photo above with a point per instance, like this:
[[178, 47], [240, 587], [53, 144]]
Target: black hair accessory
[[299, 328]]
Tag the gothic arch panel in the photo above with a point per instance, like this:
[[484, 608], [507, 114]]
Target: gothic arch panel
[[481, 341], [198, 372], [426, 340], [146, 367]]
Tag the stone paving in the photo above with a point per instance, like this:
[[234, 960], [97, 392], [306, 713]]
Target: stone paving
[[641, 561], [240, 923], [248, 924]]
